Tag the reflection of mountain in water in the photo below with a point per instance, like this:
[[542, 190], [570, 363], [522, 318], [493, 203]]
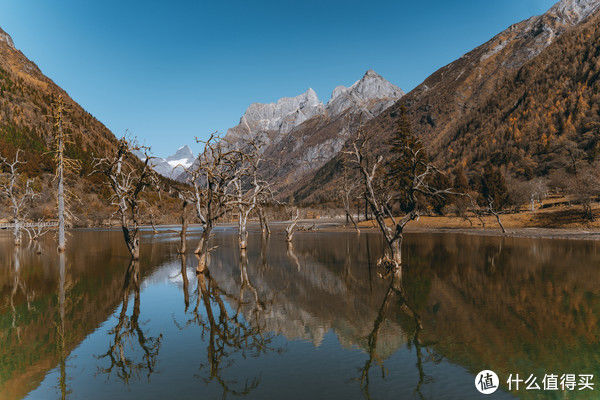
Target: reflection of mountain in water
[[330, 288], [511, 305], [516, 305]]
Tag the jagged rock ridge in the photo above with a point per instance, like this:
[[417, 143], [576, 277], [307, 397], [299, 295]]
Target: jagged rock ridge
[[268, 121], [300, 134]]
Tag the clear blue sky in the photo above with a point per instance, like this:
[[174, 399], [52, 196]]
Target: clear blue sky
[[172, 70]]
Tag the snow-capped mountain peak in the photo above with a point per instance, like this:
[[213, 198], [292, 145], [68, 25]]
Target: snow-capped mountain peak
[[174, 165]]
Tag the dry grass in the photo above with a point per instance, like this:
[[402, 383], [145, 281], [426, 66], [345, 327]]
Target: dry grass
[[561, 217]]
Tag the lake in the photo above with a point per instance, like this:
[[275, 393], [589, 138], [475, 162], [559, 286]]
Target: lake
[[312, 321]]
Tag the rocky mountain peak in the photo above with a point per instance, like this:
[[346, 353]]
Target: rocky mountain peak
[[5, 37], [183, 153], [279, 117], [371, 86]]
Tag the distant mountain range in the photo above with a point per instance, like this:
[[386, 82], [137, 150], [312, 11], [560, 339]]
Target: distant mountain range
[[526, 101], [300, 134]]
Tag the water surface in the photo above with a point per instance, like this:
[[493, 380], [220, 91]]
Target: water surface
[[312, 321]]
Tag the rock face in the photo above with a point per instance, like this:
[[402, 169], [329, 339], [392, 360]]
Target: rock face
[[573, 12], [5, 37], [372, 87], [265, 121]]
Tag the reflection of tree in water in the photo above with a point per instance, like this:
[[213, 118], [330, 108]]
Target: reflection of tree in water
[[226, 331], [18, 286], [65, 285], [396, 292], [292, 255], [127, 332], [186, 283]]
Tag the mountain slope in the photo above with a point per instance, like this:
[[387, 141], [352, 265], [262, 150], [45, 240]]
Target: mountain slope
[[511, 101], [26, 108], [439, 103], [26, 97]]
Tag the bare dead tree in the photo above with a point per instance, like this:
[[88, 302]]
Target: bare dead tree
[[18, 191], [290, 229], [249, 199], [492, 210], [212, 175], [64, 165], [153, 222], [127, 178], [35, 232], [186, 200], [262, 219], [416, 188]]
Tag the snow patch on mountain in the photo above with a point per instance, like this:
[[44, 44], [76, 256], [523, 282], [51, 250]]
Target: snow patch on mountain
[[174, 165]]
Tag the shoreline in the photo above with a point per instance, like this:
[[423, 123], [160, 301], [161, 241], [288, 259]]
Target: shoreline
[[338, 225]]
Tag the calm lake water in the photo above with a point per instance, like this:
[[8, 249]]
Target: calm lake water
[[315, 321]]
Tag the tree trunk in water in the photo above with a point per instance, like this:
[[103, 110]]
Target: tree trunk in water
[[62, 241], [243, 239], [135, 252], [242, 232], [354, 223], [183, 233], [395, 255], [132, 241], [153, 224], [61, 326], [202, 250], [264, 225], [17, 232]]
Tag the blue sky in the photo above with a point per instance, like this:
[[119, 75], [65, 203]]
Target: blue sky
[[172, 70]]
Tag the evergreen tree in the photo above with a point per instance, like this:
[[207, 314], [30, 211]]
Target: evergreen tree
[[493, 190], [401, 165]]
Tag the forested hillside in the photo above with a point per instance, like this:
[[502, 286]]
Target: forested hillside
[[526, 103], [26, 123]]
